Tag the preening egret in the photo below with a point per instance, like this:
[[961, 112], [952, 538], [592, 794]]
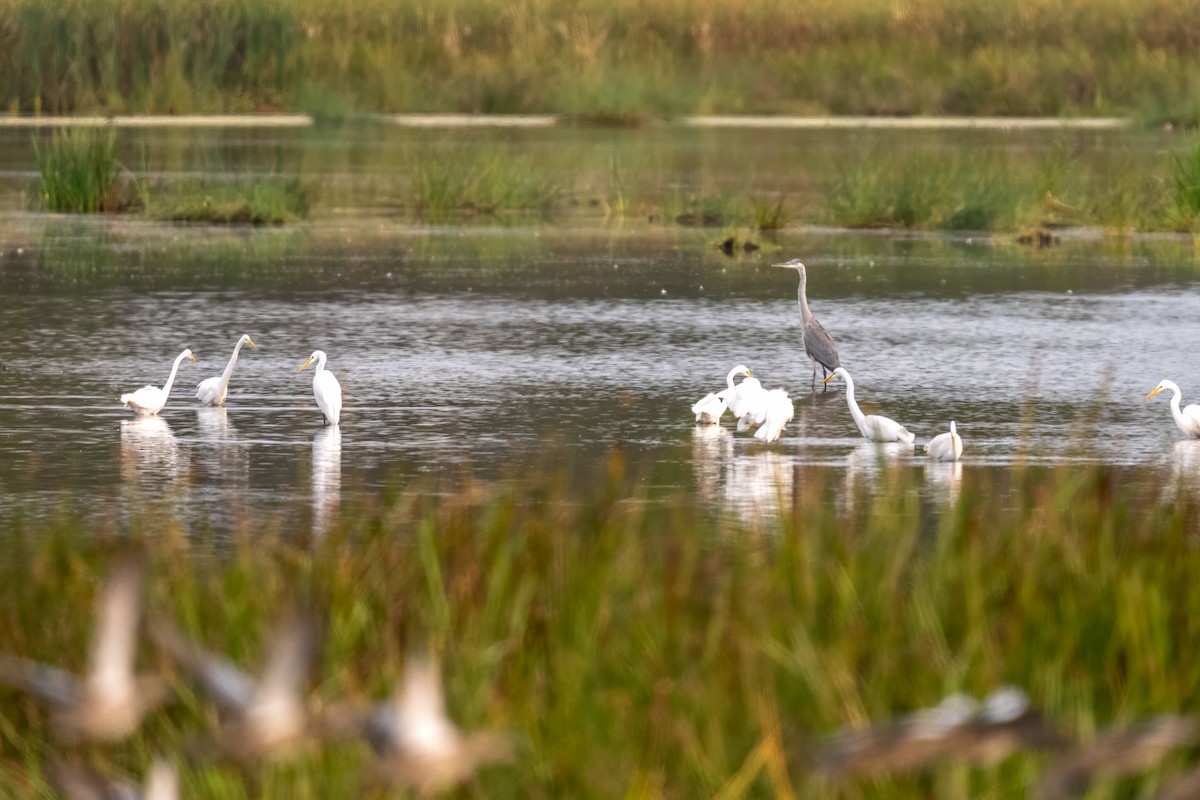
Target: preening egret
[[777, 413], [212, 391], [945, 446], [1188, 419], [816, 340], [326, 388], [711, 407], [872, 426], [149, 400], [745, 400]]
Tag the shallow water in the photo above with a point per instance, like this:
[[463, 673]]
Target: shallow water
[[492, 346]]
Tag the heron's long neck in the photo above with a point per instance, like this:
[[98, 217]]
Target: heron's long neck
[[321, 364], [228, 373], [175, 368], [802, 297], [860, 419]]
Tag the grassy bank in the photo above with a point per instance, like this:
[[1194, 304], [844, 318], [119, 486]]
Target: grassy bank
[[604, 61], [635, 646]]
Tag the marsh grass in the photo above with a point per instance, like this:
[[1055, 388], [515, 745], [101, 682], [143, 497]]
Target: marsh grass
[[619, 60], [1185, 179], [630, 641], [79, 170], [458, 179], [240, 202]]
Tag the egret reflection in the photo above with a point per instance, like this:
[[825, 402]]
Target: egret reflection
[[151, 459], [758, 484], [712, 448], [944, 479], [870, 460], [1185, 466], [326, 476]]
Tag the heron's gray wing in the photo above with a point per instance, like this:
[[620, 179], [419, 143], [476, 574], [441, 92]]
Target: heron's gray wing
[[50, 683], [229, 686], [118, 612], [819, 346]]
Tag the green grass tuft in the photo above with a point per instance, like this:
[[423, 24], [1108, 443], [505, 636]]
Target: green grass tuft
[[79, 170], [455, 179]]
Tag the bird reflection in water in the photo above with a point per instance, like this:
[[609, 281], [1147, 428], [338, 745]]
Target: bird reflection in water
[[326, 477], [944, 479], [868, 462], [152, 463], [1185, 467], [712, 447], [758, 484]]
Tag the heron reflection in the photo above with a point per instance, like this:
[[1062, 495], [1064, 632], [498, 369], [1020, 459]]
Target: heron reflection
[[326, 476]]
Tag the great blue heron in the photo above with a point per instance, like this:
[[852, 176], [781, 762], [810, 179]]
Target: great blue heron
[[1188, 419], [817, 343], [872, 426], [945, 446]]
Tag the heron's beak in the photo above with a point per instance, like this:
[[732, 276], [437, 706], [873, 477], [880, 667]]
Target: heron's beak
[[250, 342], [827, 379], [306, 363], [1156, 391], [192, 356]]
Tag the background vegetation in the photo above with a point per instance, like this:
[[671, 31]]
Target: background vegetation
[[621, 639], [605, 61]]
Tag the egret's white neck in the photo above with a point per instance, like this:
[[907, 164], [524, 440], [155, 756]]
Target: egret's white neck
[[228, 373], [729, 378], [175, 368], [321, 362], [860, 419], [1176, 396]]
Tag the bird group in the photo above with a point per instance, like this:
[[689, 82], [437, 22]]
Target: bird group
[[264, 717], [773, 410], [149, 400]]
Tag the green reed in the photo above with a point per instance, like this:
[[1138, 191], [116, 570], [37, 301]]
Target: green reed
[[641, 645], [620, 61], [79, 170]]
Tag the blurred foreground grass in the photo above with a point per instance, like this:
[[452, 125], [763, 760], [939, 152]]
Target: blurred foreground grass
[[605, 61], [640, 646]]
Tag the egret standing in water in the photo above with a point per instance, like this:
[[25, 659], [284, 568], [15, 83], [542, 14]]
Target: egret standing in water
[[326, 388], [945, 446], [212, 392], [816, 340], [872, 426], [149, 400], [1188, 419]]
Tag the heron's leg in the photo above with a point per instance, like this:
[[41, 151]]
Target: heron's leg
[[814, 375]]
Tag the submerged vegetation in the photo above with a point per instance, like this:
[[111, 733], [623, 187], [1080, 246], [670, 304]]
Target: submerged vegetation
[[610, 61], [633, 645]]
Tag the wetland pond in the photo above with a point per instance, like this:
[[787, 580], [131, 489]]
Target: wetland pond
[[488, 346]]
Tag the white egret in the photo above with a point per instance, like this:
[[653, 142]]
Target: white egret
[[777, 412], [709, 410], [945, 446], [872, 426], [326, 388], [1188, 419], [149, 400], [711, 407], [212, 392]]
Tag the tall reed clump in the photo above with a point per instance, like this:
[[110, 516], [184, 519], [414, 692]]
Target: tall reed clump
[[79, 170], [1185, 181], [636, 644], [455, 179]]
